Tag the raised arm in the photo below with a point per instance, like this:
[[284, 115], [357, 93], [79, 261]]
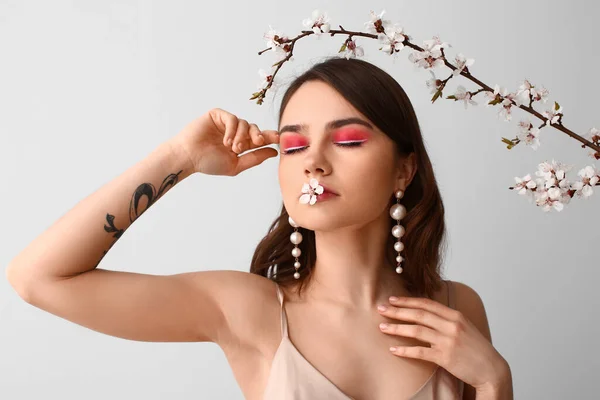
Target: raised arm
[[57, 272]]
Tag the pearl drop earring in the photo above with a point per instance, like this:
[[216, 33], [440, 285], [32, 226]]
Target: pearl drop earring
[[296, 239], [397, 212], [309, 196]]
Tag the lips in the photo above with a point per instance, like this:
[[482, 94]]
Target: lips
[[328, 190]]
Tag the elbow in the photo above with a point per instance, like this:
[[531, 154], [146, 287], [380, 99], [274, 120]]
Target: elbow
[[18, 283]]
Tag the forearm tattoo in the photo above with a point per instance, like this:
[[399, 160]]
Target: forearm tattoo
[[145, 189]]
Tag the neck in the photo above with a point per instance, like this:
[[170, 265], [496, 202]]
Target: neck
[[359, 276]]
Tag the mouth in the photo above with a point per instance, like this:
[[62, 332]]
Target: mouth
[[325, 195], [328, 190], [308, 191]]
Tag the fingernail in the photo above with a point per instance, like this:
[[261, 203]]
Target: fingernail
[[229, 141], [383, 326], [381, 308], [393, 298]]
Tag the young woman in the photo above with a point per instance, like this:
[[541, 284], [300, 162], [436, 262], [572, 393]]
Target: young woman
[[362, 220]]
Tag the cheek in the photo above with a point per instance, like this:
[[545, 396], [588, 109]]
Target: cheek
[[289, 187], [370, 182]]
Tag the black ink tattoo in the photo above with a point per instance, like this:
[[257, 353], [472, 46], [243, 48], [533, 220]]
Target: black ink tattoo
[[145, 189]]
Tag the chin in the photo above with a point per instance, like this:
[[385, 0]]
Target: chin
[[321, 220]]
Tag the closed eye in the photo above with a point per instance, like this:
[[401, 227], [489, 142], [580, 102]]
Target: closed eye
[[342, 144]]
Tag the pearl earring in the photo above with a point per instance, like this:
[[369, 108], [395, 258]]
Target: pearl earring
[[397, 212], [309, 196], [296, 239]]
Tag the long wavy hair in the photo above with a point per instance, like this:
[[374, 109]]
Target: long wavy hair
[[380, 98]]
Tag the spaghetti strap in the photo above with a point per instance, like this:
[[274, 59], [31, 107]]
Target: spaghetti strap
[[451, 294], [283, 316], [292, 376]]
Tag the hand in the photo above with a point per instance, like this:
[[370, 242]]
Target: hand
[[456, 344], [213, 142]]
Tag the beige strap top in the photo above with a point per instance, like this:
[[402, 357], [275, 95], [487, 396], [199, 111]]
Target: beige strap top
[[293, 377]]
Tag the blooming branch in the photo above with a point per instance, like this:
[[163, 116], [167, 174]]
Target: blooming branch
[[551, 191]]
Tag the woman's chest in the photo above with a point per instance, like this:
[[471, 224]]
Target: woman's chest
[[354, 359]]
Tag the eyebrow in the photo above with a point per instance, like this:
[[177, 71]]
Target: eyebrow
[[338, 123]]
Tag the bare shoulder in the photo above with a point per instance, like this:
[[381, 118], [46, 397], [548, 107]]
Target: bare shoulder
[[470, 304], [245, 300]]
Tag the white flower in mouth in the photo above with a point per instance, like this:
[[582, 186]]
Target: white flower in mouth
[[311, 190]]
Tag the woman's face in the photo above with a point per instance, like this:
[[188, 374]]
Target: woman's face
[[364, 175]]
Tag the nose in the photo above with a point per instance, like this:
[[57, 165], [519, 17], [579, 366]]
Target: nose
[[316, 164]]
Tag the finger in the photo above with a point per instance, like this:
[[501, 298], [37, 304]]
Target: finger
[[259, 138], [419, 332], [419, 316], [241, 136], [256, 136], [254, 158], [225, 122], [271, 136], [430, 305], [416, 352]]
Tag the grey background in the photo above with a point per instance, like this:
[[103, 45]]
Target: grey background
[[89, 88]]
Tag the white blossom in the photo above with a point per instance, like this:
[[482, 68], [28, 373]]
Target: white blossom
[[391, 39], [461, 63], [553, 115], [551, 189], [435, 44], [539, 94], [431, 56], [593, 135], [352, 50], [492, 95], [589, 178], [462, 94], [318, 22], [530, 138], [274, 41], [522, 95], [371, 25], [525, 186], [547, 169], [433, 83], [310, 191], [547, 203], [529, 134], [524, 125], [507, 103]]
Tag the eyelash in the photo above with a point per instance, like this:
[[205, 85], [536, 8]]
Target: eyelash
[[349, 144]]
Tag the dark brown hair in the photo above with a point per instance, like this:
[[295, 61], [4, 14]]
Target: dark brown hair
[[381, 99]]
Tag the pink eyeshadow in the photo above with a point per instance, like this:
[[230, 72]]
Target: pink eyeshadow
[[294, 141], [351, 134]]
